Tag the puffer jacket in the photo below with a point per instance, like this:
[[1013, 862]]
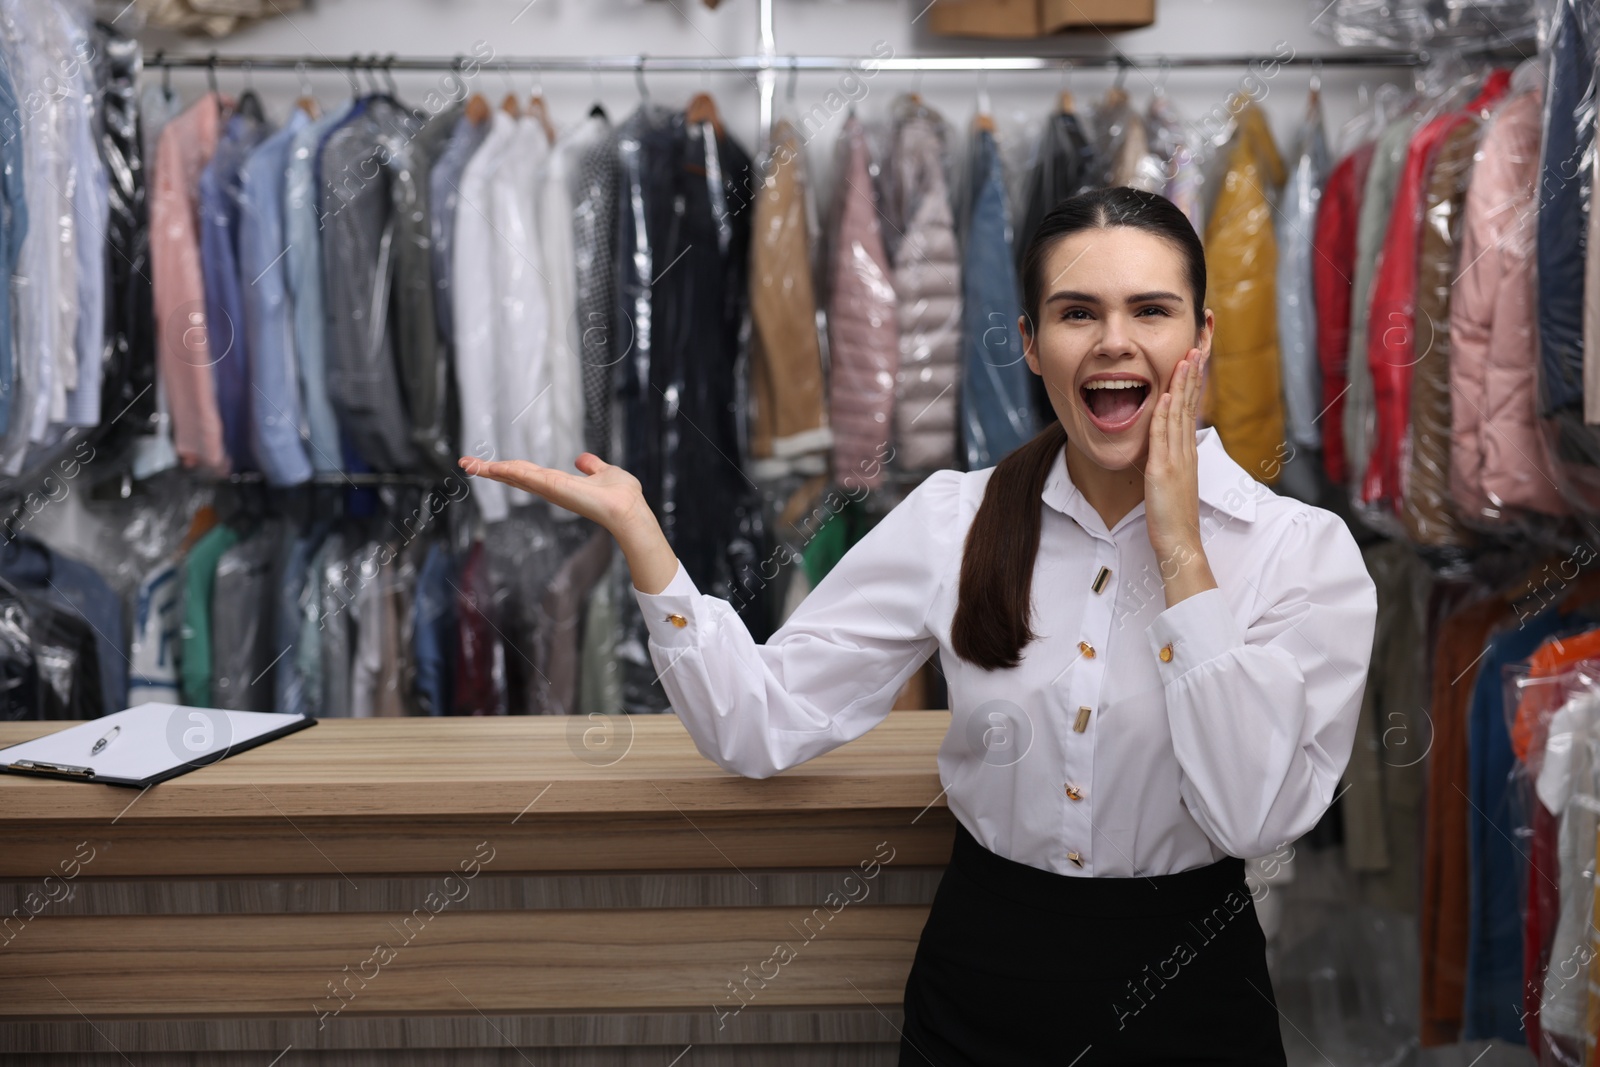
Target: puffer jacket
[[1394, 341], [1426, 508], [927, 283], [1243, 399], [863, 323], [1498, 455], [1333, 267]]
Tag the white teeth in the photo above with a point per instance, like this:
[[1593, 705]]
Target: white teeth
[[1114, 383]]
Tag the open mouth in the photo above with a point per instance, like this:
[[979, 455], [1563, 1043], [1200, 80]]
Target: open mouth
[[1114, 403]]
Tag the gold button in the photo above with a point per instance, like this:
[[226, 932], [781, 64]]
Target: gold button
[[1100, 579], [1073, 793], [677, 620], [1166, 653], [1083, 721], [1075, 858], [1087, 649]]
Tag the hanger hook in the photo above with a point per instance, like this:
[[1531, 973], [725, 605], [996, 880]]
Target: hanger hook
[[983, 90], [1161, 76], [1316, 75], [505, 72], [166, 71], [538, 78], [388, 75], [638, 77], [1122, 72], [303, 78], [211, 72], [794, 76], [249, 82]]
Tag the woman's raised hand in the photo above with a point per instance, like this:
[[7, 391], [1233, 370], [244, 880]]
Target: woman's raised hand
[[603, 494]]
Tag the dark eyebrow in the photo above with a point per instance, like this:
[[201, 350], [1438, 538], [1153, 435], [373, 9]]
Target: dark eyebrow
[[1090, 298]]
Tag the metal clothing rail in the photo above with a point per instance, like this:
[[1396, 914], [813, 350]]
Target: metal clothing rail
[[777, 63]]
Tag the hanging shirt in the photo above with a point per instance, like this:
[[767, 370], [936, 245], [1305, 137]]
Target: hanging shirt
[[13, 233], [594, 225], [1133, 739], [274, 375], [474, 309], [1297, 316], [219, 261], [302, 225], [996, 393], [444, 195], [91, 199]]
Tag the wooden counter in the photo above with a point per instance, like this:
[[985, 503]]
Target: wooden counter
[[382, 890]]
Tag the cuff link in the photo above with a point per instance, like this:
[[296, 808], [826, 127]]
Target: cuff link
[[1166, 652], [1101, 579], [1087, 649], [677, 620], [1075, 858]]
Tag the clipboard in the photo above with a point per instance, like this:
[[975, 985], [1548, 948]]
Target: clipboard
[[147, 744]]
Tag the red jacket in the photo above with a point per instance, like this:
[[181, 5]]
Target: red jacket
[[1333, 267], [1392, 329]]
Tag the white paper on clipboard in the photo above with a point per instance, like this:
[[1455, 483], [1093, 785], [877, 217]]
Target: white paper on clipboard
[[155, 742]]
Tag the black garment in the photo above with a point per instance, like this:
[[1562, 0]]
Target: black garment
[[683, 291], [1020, 966], [594, 243], [363, 248], [1065, 164], [128, 396], [424, 357], [66, 662]]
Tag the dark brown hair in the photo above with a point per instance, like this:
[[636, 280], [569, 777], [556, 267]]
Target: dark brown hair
[[993, 606]]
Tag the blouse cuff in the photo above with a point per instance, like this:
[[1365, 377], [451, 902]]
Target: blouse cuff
[[1193, 631], [670, 615]]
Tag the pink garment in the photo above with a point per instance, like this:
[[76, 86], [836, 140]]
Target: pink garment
[[863, 327], [1498, 453], [183, 353]]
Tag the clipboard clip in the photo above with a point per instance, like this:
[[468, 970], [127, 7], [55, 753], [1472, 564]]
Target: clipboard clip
[[40, 767]]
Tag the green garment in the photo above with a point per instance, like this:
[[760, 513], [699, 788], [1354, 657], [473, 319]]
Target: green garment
[[199, 576]]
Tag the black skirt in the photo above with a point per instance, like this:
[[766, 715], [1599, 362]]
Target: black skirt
[[1021, 966]]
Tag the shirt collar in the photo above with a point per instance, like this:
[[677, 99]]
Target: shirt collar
[[1224, 485]]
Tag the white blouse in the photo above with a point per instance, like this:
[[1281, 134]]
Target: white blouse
[[1133, 739]]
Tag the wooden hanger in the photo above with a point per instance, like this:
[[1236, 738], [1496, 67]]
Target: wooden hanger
[[309, 105], [983, 121], [1116, 96], [703, 109], [205, 517], [1064, 102], [477, 109], [538, 110], [510, 105]]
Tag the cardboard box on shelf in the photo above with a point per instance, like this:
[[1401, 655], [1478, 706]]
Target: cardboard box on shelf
[[1035, 18]]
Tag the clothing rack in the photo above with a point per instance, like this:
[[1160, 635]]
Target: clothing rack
[[643, 62]]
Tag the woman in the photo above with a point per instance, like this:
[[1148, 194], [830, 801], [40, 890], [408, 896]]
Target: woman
[[1154, 667]]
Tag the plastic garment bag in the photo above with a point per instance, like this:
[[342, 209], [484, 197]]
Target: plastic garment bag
[[1426, 510], [789, 431], [1297, 318], [684, 249], [1415, 23], [863, 321], [1065, 163], [996, 396], [1121, 141], [1395, 340], [1174, 149], [1242, 398], [1498, 462], [927, 284]]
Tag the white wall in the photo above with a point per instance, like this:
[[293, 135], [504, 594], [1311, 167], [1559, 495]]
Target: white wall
[[337, 28]]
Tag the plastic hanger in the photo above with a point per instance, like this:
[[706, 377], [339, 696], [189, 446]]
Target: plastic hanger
[[307, 102], [537, 108], [510, 105]]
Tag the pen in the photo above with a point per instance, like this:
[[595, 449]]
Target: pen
[[104, 741]]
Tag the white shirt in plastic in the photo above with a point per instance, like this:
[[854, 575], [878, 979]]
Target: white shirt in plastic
[[1094, 746]]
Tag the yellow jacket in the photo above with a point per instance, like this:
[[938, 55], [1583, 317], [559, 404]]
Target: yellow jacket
[[1243, 395]]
